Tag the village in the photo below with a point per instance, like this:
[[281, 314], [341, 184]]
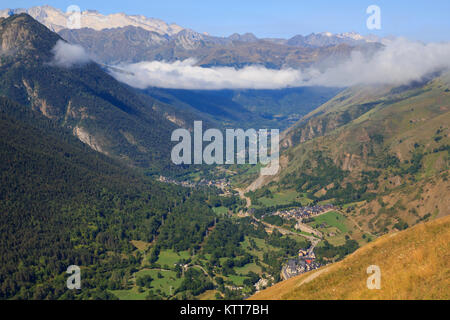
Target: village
[[300, 213], [306, 261], [221, 184]]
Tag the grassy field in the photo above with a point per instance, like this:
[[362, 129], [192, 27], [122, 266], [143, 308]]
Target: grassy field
[[208, 295], [169, 257], [140, 245], [167, 284], [414, 264], [236, 279], [260, 243], [220, 210], [247, 268], [285, 197], [335, 229], [131, 294], [168, 280], [331, 219]]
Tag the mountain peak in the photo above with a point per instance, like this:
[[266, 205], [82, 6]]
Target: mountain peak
[[56, 20], [20, 34], [246, 37], [328, 39]]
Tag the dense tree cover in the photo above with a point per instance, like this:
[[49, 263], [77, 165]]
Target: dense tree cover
[[62, 203], [144, 281], [195, 282], [273, 219], [330, 251], [228, 234], [288, 245], [231, 202], [224, 240], [185, 227]]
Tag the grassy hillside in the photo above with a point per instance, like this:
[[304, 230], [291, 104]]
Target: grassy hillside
[[415, 264], [383, 153]]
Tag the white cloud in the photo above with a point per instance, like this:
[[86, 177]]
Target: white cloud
[[400, 62], [186, 75], [67, 55]]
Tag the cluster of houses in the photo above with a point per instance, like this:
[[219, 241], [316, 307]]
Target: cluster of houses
[[221, 183], [303, 212], [299, 265]]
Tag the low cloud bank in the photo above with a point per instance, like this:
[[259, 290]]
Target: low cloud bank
[[400, 62], [186, 75], [67, 55]]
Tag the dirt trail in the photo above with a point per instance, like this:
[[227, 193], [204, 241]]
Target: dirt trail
[[313, 276], [243, 196], [356, 223]]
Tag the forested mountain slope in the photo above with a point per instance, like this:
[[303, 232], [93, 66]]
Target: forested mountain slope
[[100, 111], [63, 203]]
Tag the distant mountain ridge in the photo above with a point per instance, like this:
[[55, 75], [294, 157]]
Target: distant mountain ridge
[[56, 20], [132, 44], [121, 38]]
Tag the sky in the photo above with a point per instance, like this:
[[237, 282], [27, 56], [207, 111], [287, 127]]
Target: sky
[[427, 21]]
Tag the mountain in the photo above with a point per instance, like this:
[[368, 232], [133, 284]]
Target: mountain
[[120, 38], [246, 108], [103, 113], [414, 264], [71, 192], [383, 152], [131, 44], [56, 20], [63, 203], [246, 37], [324, 39]]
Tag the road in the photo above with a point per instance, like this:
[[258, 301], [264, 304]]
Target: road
[[280, 229]]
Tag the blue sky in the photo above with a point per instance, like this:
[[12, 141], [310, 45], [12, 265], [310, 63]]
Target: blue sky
[[418, 19]]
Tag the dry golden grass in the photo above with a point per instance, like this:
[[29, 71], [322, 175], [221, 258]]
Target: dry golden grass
[[415, 264], [140, 245]]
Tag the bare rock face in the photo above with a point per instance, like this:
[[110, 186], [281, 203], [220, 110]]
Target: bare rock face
[[120, 38], [56, 20], [24, 36], [89, 139]]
